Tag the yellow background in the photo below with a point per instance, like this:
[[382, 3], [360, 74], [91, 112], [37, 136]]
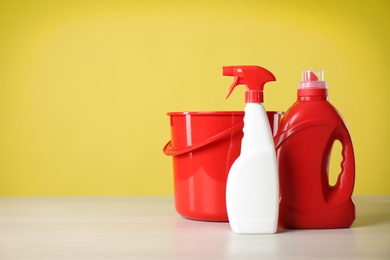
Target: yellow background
[[85, 85]]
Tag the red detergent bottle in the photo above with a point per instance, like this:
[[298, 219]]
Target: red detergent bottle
[[303, 144]]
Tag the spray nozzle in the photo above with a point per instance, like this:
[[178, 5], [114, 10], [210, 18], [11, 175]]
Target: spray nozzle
[[254, 77]]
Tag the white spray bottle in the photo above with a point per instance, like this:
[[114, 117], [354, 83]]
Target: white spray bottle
[[252, 189]]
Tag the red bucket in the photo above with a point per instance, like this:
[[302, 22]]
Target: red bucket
[[204, 145]]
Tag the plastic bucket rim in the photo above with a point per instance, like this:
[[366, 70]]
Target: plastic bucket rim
[[210, 113], [167, 150]]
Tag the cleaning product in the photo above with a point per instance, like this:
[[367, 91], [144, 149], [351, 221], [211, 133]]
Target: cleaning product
[[304, 144], [252, 189]]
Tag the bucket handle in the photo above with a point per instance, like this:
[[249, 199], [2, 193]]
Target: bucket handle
[[170, 152]]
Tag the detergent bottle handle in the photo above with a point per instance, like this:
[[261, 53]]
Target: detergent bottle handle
[[344, 186]]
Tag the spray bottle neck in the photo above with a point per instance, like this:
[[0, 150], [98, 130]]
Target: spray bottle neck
[[254, 96], [255, 122]]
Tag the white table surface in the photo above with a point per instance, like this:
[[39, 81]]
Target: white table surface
[[150, 228]]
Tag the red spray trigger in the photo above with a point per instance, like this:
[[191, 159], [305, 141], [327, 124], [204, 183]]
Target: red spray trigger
[[254, 77]]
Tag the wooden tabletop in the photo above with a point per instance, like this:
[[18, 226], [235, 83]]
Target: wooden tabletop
[[150, 228]]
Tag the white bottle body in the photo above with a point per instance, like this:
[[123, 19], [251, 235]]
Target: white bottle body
[[252, 189]]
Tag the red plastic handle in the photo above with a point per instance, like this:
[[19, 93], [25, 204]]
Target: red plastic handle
[[344, 186], [168, 147]]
